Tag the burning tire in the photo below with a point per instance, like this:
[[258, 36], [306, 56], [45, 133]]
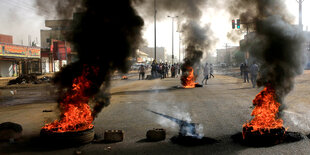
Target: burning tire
[[268, 138], [79, 137]]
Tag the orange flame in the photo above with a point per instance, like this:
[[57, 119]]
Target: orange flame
[[76, 113], [265, 112], [124, 77], [188, 81]]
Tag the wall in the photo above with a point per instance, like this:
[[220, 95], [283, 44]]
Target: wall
[[6, 39], [45, 65], [6, 68]]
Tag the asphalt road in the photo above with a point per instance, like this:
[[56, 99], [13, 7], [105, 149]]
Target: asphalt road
[[222, 107]]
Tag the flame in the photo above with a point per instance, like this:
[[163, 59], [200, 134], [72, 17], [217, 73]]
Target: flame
[[124, 77], [76, 113], [188, 81], [265, 112]]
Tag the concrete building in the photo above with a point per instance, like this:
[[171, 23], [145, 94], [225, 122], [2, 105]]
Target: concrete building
[[226, 56], [56, 51], [17, 59]]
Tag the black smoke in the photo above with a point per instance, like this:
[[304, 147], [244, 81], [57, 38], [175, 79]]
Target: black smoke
[[198, 39], [276, 43], [105, 35]]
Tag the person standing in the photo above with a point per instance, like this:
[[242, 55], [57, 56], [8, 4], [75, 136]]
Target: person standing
[[172, 71], [241, 69], [211, 71], [153, 70], [245, 73], [205, 74], [141, 72], [166, 70], [161, 71], [254, 72], [176, 69]]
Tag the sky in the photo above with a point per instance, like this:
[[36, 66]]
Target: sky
[[19, 18]]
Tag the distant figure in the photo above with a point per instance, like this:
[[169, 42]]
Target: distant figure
[[241, 69], [172, 71], [141, 72], [162, 71], [254, 72], [211, 71], [166, 70], [153, 70], [205, 74], [246, 73]]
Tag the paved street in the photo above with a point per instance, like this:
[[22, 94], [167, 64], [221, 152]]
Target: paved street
[[221, 107]]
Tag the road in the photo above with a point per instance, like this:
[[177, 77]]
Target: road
[[222, 107]]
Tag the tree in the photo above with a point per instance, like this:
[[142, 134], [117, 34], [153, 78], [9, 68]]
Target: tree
[[239, 57]]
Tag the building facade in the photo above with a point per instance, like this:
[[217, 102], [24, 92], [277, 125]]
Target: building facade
[[16, 60], [56, 51], [226, 56]]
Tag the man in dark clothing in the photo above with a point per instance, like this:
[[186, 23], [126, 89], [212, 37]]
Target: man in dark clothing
[[241, 69], [153, 70], [246, 73], [166, 70], [172, 71], [161, 70], [141, 72]]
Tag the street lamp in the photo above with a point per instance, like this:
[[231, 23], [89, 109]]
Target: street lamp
[[155, 12], [300, 13], [180, 42], [172, 17]]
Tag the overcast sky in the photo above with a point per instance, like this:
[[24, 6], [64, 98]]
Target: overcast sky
[[19, 18]]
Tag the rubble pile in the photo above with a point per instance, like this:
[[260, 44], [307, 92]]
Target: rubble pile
[[29, 78]]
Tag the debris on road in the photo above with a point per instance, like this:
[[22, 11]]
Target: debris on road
[[112, 136], [47, 110], [30, 78], [10, 131], [156, 135]]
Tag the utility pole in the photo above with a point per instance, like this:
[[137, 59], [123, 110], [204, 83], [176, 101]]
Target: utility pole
[[180, 43], [155, 12], [226, 47], [172, 17], [180, 48], [300, 13]]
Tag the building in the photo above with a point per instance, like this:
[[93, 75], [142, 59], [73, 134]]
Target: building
[[6, 39], [307, 48], [226, 56], [55, 50], [18, 59], [142, 57], [160, 53]]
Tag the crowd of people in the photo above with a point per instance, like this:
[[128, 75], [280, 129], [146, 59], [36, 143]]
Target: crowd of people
[[253, 70], [161, 70]]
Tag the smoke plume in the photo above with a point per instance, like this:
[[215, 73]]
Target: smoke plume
[[61, 9], [105, 35], [197, 39], [276, 45]]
